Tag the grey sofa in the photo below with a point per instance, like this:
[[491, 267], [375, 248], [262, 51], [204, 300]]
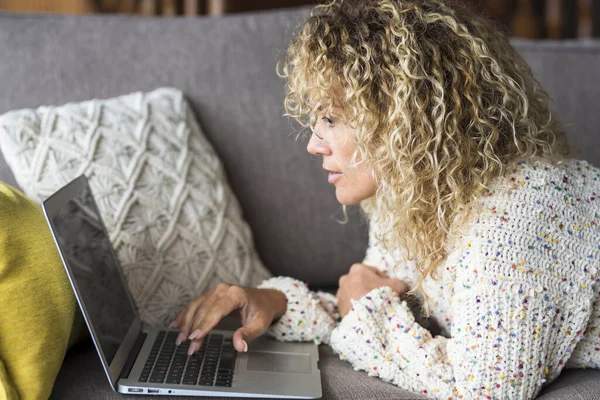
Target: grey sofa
[[226, 66]]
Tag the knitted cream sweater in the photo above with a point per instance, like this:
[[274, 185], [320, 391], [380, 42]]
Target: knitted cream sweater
[[518, 297]]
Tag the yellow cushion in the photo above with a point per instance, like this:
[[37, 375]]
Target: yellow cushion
[[38, 305]]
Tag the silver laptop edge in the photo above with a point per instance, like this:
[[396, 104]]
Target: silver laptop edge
[[252, 379], [113, 369]]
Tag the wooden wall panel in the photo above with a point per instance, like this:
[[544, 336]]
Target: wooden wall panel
[[534, 19], [53, 6]]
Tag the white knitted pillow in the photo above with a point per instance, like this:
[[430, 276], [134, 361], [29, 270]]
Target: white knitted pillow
[[162, 191]]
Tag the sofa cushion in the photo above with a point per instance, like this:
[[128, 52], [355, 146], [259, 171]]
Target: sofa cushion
[[568, 71], [175, 225], [82, 377], [226, 66], [38, 305]]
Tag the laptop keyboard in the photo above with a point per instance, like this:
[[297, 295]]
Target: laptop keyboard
[[212, 365]]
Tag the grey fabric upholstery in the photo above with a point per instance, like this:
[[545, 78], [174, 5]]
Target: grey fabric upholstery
[[82, 377], [570, 73], [226, 67]]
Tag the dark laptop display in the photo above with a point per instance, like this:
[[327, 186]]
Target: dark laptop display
[[88, 252]]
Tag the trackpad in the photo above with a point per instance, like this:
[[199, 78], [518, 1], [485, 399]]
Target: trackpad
[[278, 362]]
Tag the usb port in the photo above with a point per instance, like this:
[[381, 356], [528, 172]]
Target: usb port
[[152, 390], [135, 390]]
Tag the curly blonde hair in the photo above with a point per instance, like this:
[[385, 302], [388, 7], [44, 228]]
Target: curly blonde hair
[[441, 103]]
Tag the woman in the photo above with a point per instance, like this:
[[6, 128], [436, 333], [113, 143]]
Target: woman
[[426, 117]]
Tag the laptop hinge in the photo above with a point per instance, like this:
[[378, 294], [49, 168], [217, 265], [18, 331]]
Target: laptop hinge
[[133, 356]]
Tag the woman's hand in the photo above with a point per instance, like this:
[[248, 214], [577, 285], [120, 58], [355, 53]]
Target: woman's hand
[[361, 280], [258, 309]]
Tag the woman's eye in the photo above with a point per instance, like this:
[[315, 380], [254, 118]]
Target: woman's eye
[[329, 121]]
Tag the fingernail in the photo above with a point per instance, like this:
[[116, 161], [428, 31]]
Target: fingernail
[[192, 348], [180, 338], [245, 346], [195, 334]]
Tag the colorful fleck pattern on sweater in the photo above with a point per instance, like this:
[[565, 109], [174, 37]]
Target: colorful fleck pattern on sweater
[[518, 298], [309, 315]]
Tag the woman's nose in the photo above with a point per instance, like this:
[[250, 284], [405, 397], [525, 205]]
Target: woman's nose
[[318, 146]]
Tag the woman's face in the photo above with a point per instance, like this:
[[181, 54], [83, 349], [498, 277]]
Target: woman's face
[[333, 139]]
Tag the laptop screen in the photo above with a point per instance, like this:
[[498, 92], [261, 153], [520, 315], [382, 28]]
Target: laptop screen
[[88, 252]]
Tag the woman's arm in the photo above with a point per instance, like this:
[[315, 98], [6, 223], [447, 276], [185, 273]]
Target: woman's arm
[[508, 339], [309, 315], [497, 348], [519, 309], [313, 315]]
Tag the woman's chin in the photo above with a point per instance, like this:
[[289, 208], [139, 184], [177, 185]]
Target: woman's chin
[[346, 198], [351, 198]]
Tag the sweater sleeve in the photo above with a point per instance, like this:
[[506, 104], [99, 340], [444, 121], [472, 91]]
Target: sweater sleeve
[[313, 315], [506, 345], [310, 316], [521, 301]]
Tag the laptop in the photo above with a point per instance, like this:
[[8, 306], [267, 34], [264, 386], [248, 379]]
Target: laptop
[[140, 359]]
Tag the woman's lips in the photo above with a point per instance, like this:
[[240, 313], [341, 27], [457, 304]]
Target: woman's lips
[[334, 176]]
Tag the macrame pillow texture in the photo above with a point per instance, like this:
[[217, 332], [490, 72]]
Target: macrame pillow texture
[[174, 222]]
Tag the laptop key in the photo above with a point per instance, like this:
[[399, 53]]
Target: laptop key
[[192, 372], [212, 365], [226, 359]]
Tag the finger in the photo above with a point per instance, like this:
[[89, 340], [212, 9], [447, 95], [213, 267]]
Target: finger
[[204, 309], [177, 321], [208, 303], [256, 326], [195, 345], [209, 317], [195, 336], [356, 267], [397, 285], [362, 268], [342, 310], [383, 273], [374, 269], [340, 304], [212, 312], [188, 316]]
